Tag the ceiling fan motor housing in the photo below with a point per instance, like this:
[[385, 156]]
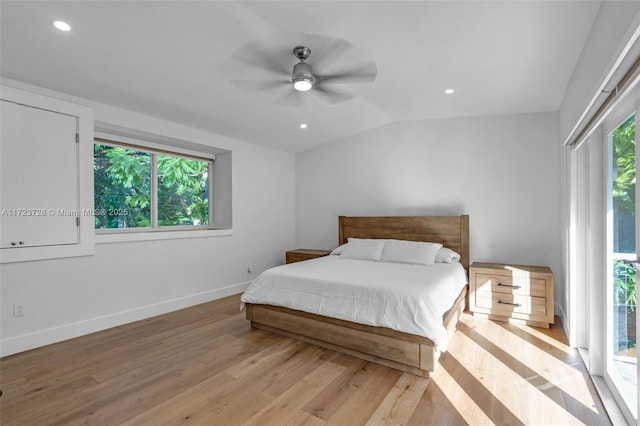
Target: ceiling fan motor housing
[[302, 72]]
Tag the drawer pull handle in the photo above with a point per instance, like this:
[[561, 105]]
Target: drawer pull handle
[[509, 303], [509, 285]]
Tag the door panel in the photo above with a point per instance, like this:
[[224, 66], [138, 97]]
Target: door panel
[[39, 182], [621, 355]]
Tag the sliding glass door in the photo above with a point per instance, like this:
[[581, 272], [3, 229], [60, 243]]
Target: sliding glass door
[[621, 368]]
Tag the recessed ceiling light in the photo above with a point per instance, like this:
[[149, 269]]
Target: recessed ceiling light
[[449, 91], [303, 125], [62, 26]]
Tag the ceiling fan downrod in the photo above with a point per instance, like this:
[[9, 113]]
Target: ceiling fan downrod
[[302, 77]]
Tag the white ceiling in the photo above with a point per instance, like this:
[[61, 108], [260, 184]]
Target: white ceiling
[[173, 60]]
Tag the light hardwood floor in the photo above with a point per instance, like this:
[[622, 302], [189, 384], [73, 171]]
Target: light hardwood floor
[[205, 365]]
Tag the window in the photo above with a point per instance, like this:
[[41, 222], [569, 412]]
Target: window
[[144, 189]]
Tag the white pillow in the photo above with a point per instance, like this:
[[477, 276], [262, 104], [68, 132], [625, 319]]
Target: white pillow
[[413, 252], [446, 255], [338, 250], [365, 249]]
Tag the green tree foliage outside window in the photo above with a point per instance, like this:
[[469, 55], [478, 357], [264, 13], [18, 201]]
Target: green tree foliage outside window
[[123, 189], [183, 191], [623, 193], [624, 186]]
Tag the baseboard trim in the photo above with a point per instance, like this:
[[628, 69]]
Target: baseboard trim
[[563, 316], [24, 342]]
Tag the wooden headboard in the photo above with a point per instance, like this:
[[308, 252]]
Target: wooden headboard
[[450, 231]]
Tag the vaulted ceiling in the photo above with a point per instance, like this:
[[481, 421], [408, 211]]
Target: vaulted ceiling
[[179, 60]]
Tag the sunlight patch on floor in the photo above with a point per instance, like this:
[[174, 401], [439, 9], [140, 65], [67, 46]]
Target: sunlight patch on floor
[[457, 396], [503, 367]]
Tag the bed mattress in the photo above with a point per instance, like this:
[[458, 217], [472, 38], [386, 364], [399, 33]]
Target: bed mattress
[[403, 297]]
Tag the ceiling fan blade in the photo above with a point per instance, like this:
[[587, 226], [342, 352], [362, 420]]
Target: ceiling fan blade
[[293, 98], [365, 73], [257, 85], [326, 50], [260, 56], [332, 96]]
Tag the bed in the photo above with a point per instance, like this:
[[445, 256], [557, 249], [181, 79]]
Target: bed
[[406, 351]]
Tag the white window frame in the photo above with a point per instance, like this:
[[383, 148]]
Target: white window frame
[[618, 116]]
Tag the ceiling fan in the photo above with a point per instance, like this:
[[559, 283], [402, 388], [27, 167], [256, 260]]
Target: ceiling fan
[[303, 78]]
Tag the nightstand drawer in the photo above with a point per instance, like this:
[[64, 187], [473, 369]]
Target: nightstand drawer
[[507, 304], [520, 285]]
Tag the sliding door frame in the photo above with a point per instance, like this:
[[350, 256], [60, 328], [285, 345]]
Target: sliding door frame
[[630, 106], [589, 287]]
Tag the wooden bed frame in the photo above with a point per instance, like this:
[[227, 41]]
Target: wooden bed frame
[[403, 351]]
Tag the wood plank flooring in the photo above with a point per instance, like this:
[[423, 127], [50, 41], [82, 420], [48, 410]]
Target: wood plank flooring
[[205, 365]]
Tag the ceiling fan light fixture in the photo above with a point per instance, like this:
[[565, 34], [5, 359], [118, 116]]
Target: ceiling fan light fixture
[[302, 77], [303, 84]]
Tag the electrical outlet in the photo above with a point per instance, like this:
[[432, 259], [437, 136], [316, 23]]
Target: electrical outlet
[[249, 268], [18, 310]]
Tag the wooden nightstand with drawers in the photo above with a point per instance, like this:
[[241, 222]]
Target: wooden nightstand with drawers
[[298, 255], [515, 293]]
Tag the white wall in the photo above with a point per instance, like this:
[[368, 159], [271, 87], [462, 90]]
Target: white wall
[[127, 281], [503, 171], [613, 26]]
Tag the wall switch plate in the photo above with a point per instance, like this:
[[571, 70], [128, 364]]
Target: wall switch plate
[[18, 310]]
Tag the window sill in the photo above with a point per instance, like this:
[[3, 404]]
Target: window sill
[[160, 235]]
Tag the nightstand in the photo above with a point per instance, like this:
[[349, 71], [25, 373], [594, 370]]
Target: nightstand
[[298, 255], [514, 293]]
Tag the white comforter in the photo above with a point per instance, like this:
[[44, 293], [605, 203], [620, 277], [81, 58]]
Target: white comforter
[[403, 297]]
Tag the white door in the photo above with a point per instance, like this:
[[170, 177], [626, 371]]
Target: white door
[[39, 196], [620, 345]]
